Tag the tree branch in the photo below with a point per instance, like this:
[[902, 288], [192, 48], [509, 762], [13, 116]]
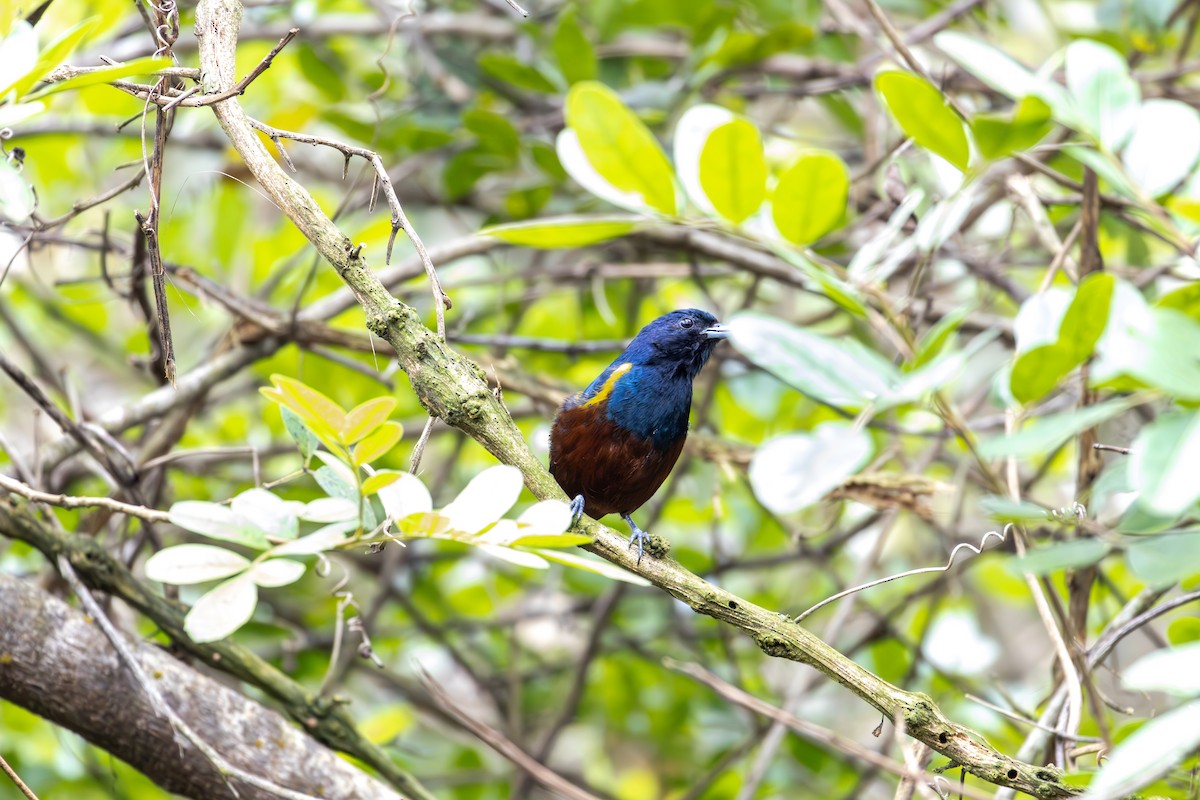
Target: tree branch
[[55, 662]]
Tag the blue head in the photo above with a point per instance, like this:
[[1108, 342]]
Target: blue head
[[648, 388]]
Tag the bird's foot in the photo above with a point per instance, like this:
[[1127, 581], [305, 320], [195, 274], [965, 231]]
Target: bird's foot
[[577, 509], [638, 535]]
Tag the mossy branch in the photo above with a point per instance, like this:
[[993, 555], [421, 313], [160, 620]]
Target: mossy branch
[[454, 389]]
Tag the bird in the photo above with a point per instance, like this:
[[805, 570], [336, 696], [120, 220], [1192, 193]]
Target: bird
[[613, 444]]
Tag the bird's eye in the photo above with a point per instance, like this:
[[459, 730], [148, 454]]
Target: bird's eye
[[687, 322]]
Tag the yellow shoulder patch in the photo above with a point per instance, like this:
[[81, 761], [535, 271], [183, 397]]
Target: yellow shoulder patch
[[607, 388]]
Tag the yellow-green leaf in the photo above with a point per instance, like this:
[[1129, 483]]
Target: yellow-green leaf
[[364, 418], [313, 407], [810, 198], [378, 443], [619, 147], [733, 170], [563, 231], [923, 113], [380, 480]]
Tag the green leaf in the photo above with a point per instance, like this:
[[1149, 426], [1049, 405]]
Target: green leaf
[[1148, 754], [1004, 509], [366, 417], [378, 443], [1165, 559], [485, 499], [809, 200], [619, 147], [1047, 433], [1037, 372], [1001, 135], [574, 52], [1059, 556], [1105, 94], [268, 513], [1163, 352], [1087, 316], [510, 69], [1165, 463], [563, 231], [733, 170], [935, 339], [495, 133], [923, 113], [142, 66], [301, 435]]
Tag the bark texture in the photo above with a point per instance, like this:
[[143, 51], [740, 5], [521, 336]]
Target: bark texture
[[57, 663]]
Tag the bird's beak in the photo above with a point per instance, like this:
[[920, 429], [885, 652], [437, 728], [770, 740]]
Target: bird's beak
[[716, 332]]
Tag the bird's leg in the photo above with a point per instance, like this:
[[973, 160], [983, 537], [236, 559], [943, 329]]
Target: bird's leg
[[638, 535], [577, 509]]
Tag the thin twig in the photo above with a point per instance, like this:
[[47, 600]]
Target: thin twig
[[15, 778], [1001, 535], [67, 501]]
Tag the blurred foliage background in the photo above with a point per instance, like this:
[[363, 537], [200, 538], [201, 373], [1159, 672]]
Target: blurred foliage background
[[978, 194]]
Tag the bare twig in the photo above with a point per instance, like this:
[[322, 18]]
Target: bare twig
[[16, 779], [68, 501]]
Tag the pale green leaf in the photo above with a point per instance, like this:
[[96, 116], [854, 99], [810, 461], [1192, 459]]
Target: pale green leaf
[[1058, 557], [1045, 434], [1148, 754], [1175, 670], [1165, 463], [1164, 146], [301, 435], [1105, 94], [268, 513], [17, 200], [276, 572], [793, 472], [320, 540], [485, 499], [1165, 559], [405, 497], [521, 558], [222, 611], [573, 50], [186, 564], [216, 522]]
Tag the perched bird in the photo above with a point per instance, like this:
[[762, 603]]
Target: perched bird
[[613, 444]]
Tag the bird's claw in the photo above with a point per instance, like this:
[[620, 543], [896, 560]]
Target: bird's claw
[[638, 535], [577, 509]]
